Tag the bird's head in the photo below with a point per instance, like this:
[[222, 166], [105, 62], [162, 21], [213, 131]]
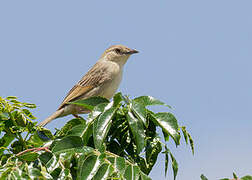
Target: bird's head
[[118, 54]]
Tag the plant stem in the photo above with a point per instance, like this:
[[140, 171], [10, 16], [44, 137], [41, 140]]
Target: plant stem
[[35, 150]]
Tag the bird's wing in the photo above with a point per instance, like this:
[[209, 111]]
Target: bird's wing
[[74, 93], [95, 76]]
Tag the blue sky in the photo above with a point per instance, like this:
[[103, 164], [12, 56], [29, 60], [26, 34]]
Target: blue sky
[[194, 55]]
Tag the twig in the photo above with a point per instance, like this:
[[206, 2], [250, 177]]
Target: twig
[[34, 150]]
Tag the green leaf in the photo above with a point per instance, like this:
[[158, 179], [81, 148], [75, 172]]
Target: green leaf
[[174, 166], [235, 176], [67, 143], [166, 135], [28, 114], [97, 111], [140, 111], [52, 164], [114, 147], [203, 177], [246, 177], [31, 156], [117, 99], [91, 102], [144, 176], [149, 101], [120, 164], [142, 164], [102, 125], [14, 101], [45, 157], [87, 133], [166, 160], [88, 167], [11, 97], [82, 130], [40, 136], [191, 142], [34, 173], [47, 133], [4, 158], [132, 172], [17, 147], [153, 148], [169, 125], [137, 130], [29, 105], [5, 141], [104, 172], [69, 125], [35, 140], [55, 173], [20, 119], [65, 174], [185, 134], [83, 150], [4, 116], [77, 130], [186, 137]]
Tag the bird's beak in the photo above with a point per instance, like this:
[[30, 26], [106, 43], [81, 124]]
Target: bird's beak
[[132, 51]]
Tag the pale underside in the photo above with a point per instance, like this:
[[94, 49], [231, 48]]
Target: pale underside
[[102, 80]]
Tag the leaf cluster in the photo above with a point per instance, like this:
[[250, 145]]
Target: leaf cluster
[[118, 140], [15, 122], [248, 177]]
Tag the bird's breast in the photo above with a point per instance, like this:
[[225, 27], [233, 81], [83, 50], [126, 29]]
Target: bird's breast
[[111, 87]]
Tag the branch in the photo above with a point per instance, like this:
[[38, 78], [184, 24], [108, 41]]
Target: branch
[[34, 150]]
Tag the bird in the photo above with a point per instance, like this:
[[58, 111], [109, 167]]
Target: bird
[[103, 79]]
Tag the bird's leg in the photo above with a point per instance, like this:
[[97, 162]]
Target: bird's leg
[[75, 115]]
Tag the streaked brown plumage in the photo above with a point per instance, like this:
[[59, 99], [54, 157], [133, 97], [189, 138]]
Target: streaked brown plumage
[[102, 79]]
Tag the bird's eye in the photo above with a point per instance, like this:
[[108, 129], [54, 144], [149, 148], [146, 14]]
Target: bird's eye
[[118, 51]]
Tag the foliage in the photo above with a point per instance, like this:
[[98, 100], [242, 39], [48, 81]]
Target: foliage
[[118, 140], [248, 177]]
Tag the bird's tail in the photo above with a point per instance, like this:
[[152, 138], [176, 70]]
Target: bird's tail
[[52, 117]]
